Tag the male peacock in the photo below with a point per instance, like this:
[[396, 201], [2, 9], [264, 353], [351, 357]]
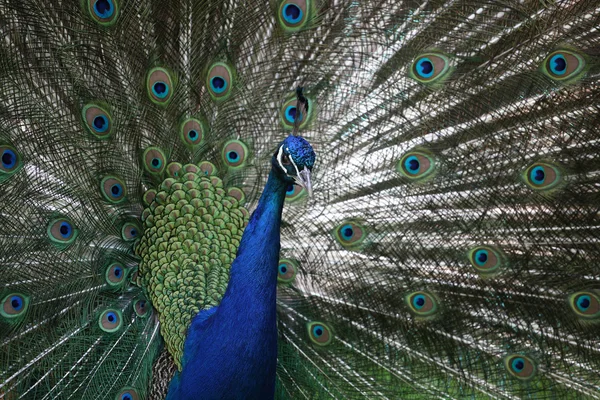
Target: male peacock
[[450, 249]]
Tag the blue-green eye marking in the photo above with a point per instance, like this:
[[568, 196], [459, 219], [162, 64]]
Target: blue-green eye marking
[[103, 11], [350, 234], [110, 320], [319, 333], [542, 176], [97, 121], [520, 366], [430, 67], [220, 81], [287, 270], [14, 305], [113, 189], [10, 161], [416, 165], [585, 304], [421, 303], [290, 114], [564, 66], [61, 231], [130, 231], [127, 393], [154, 160], [293, 14], [160, 86], [485, 259], [115, 275], [235, 153]]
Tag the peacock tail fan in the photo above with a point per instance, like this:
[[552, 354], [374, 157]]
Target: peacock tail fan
[[449, 250]]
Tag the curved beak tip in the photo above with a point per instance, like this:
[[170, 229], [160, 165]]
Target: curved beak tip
[[304, 180]]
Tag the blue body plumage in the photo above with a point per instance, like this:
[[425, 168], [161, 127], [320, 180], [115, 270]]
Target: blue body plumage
[[231, 350]]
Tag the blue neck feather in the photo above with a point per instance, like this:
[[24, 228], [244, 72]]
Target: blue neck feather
[[231, 350]]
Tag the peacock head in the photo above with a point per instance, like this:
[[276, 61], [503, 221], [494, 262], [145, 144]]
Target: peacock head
[[295, 158]]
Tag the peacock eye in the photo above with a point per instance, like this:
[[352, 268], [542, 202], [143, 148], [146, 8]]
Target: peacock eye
[[422, 304], [235, 153], [110, 320], [542, 176], [103, 11], [130, 231], [14, 305], [115, 275], [10, 160], [585, 304], [159, 85], [430, 67], [286, 270], [97, 121], [128, 394], [485, 259], [563, 65], [113, 189], [519, 366], [285, 160], [192, 132], [61, 231], [293, 14], [416, 165], [220, 81], [350, 234], [142, 307], [319, 333], [294, 193]]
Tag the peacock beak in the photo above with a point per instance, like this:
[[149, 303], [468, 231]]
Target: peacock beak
[[303, 179]]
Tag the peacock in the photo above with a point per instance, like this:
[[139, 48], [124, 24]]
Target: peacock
[[299, 199]]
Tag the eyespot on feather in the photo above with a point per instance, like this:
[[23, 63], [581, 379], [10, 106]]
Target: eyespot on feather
[[192, 132], [97, 121], [207, 168], [110, 320], [287, 270], [219, 81], [520, 366], [416, 165], [294, 193], [127, 393], [10, 161], [142, 308], [104, 12], [113, 189], [585, 304], [237, 194], [160, 86], [350, 234], [235, 153], [130, 231], [154, 160], [115, 275], [319, 333], [430, 67], [61, 231], [14, 305], [174, 170], [542, 176], [422, 304], [289, 110], [294, 14], [564, 66], [486, 259]]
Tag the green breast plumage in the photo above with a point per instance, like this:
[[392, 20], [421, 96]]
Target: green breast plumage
[[192, 229]]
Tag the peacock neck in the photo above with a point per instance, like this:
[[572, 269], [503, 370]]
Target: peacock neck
[[254, 271]]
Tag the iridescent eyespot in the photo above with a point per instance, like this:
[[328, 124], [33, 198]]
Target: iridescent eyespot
[[14, 305], [104, 12], [127, 393], [485, 259], [97, 121], [207, 168], [192, 132], [422, 304], [519, 366], [130, 231], [237, 194], [175, 170], [289, 111], [585, 304], [430, 67], [61, 231], [10, 161], [287, 270], [294, 14], [142, 307], [219, 81], [294, 193], [160, 86], [416, 165], [154, 160], [113, 189], [110, 320], [350, 234], [115, 275], [564, 65], [319, 333], [542, 176], [235, 153]]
